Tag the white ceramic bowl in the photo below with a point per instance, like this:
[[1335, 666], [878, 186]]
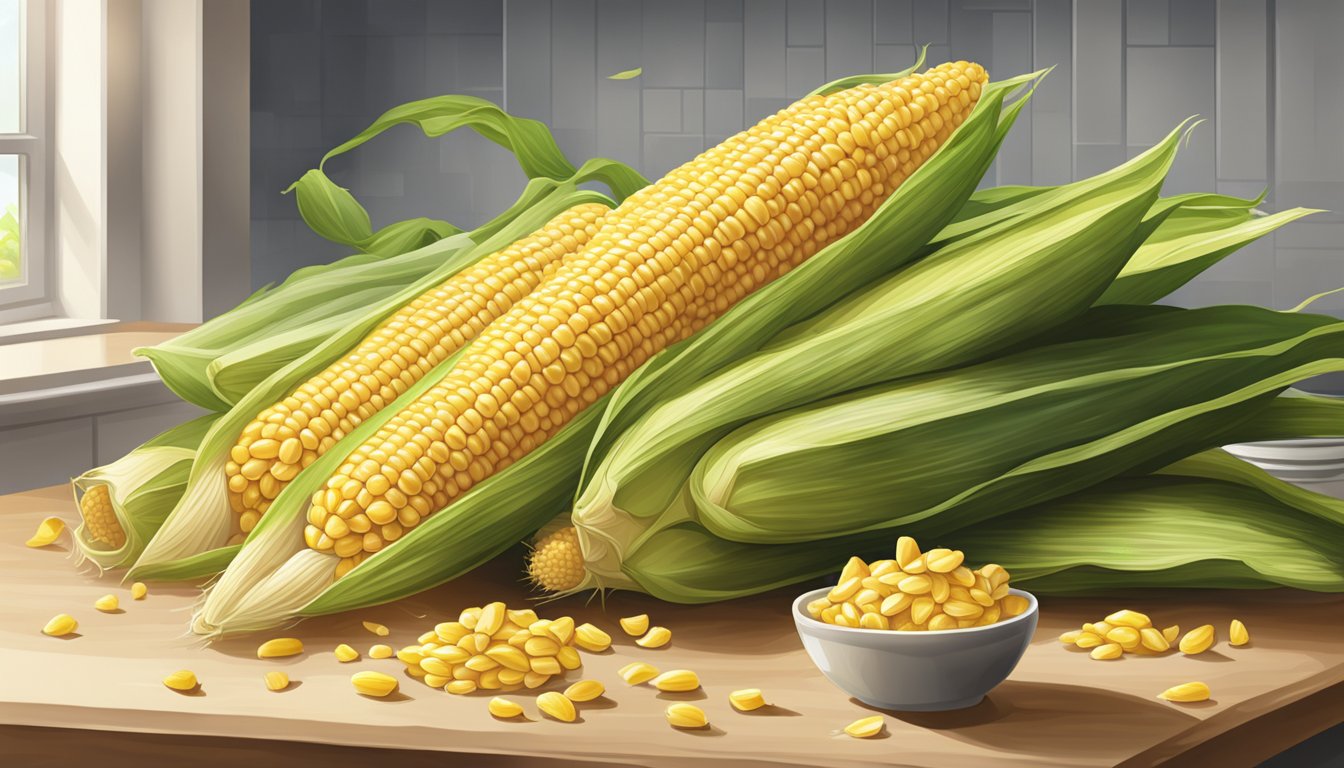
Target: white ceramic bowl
[[916, 671]]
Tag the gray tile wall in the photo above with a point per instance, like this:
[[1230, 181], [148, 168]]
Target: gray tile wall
[[1264, 75]]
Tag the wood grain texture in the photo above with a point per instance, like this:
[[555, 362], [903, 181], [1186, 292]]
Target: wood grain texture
[[98, 694]]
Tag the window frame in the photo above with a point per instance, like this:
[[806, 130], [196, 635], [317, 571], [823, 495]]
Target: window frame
[[32, 298]]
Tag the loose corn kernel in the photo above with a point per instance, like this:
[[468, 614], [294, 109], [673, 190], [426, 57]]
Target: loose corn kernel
[[1070, 637], [585, 690], [656, 637], [677, 680], [139, 590], [460, 687], [556, 705], [345, 653], [373, 684], [107, 603], [686, 716], [375, 628], [1128, 618], [279, 647], [181, 680], [505, 708], [1153, 640], [590, 638], [569, 658], [1107, 652], [276, 681], [1171, 633], [635, 626], [1197, 640], [867, 727], [638, 672], [1237, 634], [48, 531], [60, 625], [1186, 692], [746, 699], [380, 651]]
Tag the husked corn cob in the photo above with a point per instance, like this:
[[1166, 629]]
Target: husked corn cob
[[291, 434], [95, 506], [667, 261]]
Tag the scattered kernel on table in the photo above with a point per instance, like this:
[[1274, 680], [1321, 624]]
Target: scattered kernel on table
[[344, 653], [677, 680], [373, 684], [182, 680], [60, 625], [276, 681], [746, 699], [493, 648], [280, 647], [1237, 634], [585, 690], [376, 628], [48, 531], [1197, 640], [139, 590], [918, 592], [686, 716], [590, 638], [866, 728], [557, 706], [1186, 692], [380, 651], [635, 626], [656, 637], [505, 708], [637, 672], [107, 603]]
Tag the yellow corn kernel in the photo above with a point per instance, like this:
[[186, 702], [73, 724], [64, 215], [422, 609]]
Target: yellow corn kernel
[[569, 658], [637, 672], [535, 679], [1126, 637], [48, 531], [436, 666], [1128, 618], [139, 590], [1153, 640], [280, 646], [1237, 634], [873, 621], [867, 727], [380, 651], [345, 653], [906, 551], [942, 621], [556, 705], [107, 603], [1107, 652], [686, 716], [635, 626], [856, 568], [677, 680], [375, 628], [1197, 640], [1070, 637], [844, 590], [60, 625], [491, 619], [585, 690], [746, 699], [510, 657], [461, 687], [546, 665], [505, 708], [276, 681], [1171, 633], [656, 637], [590, 638], [540, 646], [944, 560], [373, 684], [1186, 692], [1089, 640], [181, 680]]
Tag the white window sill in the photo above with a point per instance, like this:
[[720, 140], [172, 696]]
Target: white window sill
[[48, 328]]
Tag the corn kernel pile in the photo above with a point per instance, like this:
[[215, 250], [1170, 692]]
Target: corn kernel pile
[[918, 591], [1127, 631], [493, 648]]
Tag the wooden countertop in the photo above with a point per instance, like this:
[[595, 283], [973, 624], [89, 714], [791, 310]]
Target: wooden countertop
[[96, 698]]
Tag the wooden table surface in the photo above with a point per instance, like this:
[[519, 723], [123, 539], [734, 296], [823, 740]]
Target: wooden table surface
[[96, 698]]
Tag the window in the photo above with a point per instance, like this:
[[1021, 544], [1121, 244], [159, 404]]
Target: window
[[23, 168]]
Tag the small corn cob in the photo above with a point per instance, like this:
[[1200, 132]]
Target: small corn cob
[[291, 434], [95, 506], [669, 260]]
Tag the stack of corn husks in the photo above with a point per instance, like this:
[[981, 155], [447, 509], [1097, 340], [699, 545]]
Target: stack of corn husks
[[804, 342]]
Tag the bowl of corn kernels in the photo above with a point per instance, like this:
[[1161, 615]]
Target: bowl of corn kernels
[[920, 632]]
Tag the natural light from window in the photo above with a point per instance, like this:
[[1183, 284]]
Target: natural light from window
[[11, 121]]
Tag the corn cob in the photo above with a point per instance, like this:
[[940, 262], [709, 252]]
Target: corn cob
[[291, 434], [669, 260]]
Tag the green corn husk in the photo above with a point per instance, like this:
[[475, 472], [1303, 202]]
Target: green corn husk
[[1209, 521], [976, 296], [276, 578], [193, 541], [215, 365], [142, 486], [935, 456]]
